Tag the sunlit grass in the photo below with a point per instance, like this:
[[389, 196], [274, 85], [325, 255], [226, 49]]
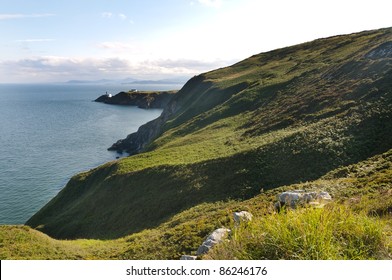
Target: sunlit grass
[[333, 232]]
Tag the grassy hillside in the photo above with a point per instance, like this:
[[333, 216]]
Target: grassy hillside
[[357, 225], [274, 119], [22, 242]]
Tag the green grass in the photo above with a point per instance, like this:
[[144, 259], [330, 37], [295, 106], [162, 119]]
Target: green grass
[[358, 225], [333, 232], [22, 242]]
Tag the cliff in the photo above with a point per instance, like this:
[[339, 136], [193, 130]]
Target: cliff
[[274, 120], [137, 142], [141, 99]]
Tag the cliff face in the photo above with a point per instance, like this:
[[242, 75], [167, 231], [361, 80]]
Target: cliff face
[[278, 118], [141, 99], [197, 96], [134, 143]]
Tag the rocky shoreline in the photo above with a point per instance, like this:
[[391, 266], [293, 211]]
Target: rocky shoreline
[[141, 99], [136, 142]]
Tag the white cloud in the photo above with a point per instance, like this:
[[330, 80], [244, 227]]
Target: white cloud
[[57, 69], [211, 3], [122, 16], [110, 15], [21, 16], [113, 45], [107, 15], [117, 47], [191, 64], [34, 40]]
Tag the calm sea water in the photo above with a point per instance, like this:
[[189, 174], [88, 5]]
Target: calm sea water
[[49, 133]]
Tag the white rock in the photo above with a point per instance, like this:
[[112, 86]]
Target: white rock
[[293, 198], [214, 238], [324, 196], [242, 216], [188, 258]]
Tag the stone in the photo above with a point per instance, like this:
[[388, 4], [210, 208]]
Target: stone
[[382, 51], [278, 206], [242, 216], [188, 258], [315, 204], [324, 196], [293, 198], [214, 238]]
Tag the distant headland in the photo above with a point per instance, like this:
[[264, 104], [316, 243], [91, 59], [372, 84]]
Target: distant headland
[[141, 99]]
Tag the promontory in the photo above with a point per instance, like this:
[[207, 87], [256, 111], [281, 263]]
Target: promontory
[[141, 99]]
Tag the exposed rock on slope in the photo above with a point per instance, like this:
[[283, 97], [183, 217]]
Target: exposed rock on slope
[[214, 238]]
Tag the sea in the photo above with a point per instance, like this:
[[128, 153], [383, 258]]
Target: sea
[[50, 132]]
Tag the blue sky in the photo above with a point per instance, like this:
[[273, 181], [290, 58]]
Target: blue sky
[[60, 40]]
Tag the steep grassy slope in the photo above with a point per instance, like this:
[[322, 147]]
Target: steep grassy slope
[[358, 225], [22, 242], [274, 119]]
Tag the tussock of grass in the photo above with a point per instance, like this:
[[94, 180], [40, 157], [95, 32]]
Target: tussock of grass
[[334, 232]]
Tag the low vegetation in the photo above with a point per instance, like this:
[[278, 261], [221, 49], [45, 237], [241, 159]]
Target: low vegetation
[[356, 225], [333, 232]]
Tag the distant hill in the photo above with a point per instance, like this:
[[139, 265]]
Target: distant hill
[[180, 80], [316, 116], [102, 81]]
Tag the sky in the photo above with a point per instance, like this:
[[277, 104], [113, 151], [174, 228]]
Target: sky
[[59, 40]]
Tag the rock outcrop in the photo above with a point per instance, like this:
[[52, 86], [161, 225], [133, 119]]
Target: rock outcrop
[[242, 217], [382, 51], [188, 258], [214, 238], [136, 142], [141, 99], [295, 198]]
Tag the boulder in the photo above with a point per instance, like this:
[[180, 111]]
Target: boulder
[[214, 238], [242, 216], [324, 196], [188, 258], [309, 196], [293, 198]]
